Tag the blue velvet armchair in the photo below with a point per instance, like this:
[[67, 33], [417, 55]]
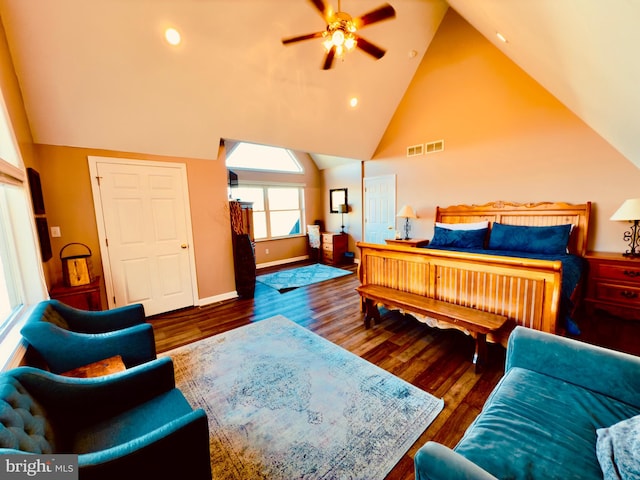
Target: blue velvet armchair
[[133, 424], [67, 338]]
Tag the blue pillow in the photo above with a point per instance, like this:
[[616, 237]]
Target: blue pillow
[[443, 237], [521, 238]]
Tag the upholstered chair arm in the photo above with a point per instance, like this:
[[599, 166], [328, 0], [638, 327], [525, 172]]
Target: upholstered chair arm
[[185, 438], [81, 400], [436, 462], [605, 371], [89, 321], [65, 350]]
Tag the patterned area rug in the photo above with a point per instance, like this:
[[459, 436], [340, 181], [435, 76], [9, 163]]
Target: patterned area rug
[[284, 403], [286, 280]]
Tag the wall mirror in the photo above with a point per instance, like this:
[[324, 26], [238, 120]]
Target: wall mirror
[[337, 197]]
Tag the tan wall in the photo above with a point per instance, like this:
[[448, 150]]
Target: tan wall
[[347, 176], [506, 138], [67, 191]]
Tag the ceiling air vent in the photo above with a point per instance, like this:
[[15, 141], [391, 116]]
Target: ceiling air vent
[[415, 150], [433, 147]]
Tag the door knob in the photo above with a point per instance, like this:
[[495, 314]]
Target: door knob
[[184, 245]]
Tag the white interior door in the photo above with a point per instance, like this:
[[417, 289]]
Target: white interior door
[[379, 208], [143, 218]]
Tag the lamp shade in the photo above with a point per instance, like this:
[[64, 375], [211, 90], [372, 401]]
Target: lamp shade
[[343, 208], [629, 210], [406, 212]]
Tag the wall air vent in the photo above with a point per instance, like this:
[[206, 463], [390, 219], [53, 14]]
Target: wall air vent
[[415, 150], [433, 147]]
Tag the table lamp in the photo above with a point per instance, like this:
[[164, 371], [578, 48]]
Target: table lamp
[[630, 211], [406, 212], [342, 209]]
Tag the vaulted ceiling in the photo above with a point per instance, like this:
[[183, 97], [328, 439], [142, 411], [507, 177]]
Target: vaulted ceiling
[[99, 74]]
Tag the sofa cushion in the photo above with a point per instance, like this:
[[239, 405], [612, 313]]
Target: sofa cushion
[[534, 426], [132, 424], [52, 316], [23, 422]]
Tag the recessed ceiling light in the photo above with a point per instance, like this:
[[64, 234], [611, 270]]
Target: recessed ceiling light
[[353, 101], [172, 36], [501, 37]]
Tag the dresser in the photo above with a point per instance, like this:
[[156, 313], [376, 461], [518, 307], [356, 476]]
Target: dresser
[[612, 301], [613, 285], [84, 297], [411, 242], [334, 246]]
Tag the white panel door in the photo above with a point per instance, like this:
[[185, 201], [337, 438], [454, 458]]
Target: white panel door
[[144, 212], [379, 208]]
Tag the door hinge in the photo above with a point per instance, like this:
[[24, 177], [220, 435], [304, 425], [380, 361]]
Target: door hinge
[[98, 179], [106, 241], [114, 299]]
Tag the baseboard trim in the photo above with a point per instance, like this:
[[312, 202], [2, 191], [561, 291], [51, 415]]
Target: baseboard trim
[[284, 261], [217, 298]]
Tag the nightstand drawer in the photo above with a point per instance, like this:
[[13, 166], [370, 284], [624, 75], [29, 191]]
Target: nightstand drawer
[[618, 272], [621, 294]]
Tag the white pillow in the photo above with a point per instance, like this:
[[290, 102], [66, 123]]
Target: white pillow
[[464, 226]]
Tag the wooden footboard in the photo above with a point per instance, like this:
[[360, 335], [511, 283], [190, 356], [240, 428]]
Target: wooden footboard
[[526, 291]]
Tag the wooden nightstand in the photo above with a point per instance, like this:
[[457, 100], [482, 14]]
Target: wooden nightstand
[[334, 246], [84, 297], [412, 242], [613, 285], [612, 302]]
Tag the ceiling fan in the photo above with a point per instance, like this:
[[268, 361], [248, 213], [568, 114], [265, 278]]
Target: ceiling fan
[[340, 35]]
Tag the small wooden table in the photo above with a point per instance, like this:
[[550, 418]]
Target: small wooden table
[[411, 242], [98, 369]]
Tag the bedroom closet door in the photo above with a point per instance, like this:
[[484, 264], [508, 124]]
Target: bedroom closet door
[[379, 208], [144, 224]]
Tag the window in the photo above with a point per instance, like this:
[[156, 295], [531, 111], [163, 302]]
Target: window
[[251, 156], [277, 209], [21, 278]]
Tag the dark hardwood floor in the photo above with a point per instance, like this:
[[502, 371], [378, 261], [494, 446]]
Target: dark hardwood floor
[[437, 361]]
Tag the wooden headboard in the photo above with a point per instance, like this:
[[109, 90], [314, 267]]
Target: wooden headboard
[[530, 214]]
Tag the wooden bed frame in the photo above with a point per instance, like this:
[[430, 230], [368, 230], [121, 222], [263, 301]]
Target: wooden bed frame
[[526, 291]]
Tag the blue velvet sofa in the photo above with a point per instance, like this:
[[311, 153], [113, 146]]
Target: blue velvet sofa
[[563, 410], [67, 338], [133, 424]]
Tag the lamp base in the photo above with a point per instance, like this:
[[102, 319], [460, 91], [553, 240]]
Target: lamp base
[[631, 254]]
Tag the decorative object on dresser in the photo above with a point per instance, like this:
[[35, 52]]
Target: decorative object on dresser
[[630, 211], [406, 212], [334, 246], [412, 242], [77, 268]]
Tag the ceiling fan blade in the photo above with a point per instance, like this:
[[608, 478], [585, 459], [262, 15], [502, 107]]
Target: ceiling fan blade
[[321, 7], [383, 12], [328, 59], [370, 48], [300, 38]]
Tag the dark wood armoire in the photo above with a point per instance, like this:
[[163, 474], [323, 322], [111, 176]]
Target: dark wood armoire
[[244, 259]]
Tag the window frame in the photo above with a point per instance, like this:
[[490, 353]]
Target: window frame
[[265, 186]]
